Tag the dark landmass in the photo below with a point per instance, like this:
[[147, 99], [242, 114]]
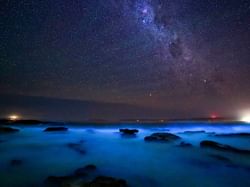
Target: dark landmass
[[5, 121], [22, 121]]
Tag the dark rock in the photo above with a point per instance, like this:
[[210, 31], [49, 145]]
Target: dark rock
[[200, 163], [222, 147], [185, 144], [161, 137], [90, 167], [76, 147], [234, 135], [220, 158], [103, 181], [8, 130], [52, 129], [83, 171], [129, 131], [100, 181], [16, 162], [63, 181]]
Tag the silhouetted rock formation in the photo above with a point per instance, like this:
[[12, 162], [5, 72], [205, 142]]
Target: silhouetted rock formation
[[79, 179], [62, 181], [8, 130], [103, 181], [129, 131], [83, 171], [53, 129], [222, 147], [234, 135], [161, 137]]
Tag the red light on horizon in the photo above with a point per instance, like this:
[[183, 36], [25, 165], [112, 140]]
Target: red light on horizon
[[213, 116]]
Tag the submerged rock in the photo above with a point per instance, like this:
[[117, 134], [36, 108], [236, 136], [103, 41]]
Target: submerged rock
[[161, 137], [8, 130], [90, 167], [200, 163], [52, 129], [16, 162], [220, 158], [103, 181], [185, 144], [100, 181], [234, 135], [77, 147], [129, 131], [83, 171], [222, 147], [63, 181]]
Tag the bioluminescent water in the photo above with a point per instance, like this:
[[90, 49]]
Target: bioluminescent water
[[141, 164]]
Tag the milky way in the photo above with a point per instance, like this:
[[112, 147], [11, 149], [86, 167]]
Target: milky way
[[182, 55]]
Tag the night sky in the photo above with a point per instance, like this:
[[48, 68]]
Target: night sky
[[141, 58]]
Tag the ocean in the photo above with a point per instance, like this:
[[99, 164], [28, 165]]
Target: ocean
[[30, 156]]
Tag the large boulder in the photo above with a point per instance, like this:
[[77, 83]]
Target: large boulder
[[53, 129], [222, 147], [129, 131], [185, 144], [162, 137], [8, 130]]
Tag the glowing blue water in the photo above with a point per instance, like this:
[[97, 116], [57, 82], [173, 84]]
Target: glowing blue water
[[141, 164]]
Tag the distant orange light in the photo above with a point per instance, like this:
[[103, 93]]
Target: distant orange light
[[14, 117]]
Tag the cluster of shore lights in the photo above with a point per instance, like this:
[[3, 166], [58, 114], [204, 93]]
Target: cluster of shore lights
[[14, 117], [245, 118]]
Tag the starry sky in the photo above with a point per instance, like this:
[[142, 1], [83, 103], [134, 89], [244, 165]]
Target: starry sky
[[171, 58]]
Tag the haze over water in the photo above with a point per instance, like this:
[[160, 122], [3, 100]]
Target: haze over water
[[140, 163]]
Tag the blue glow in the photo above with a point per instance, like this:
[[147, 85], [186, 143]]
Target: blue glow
[[140, 163]]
